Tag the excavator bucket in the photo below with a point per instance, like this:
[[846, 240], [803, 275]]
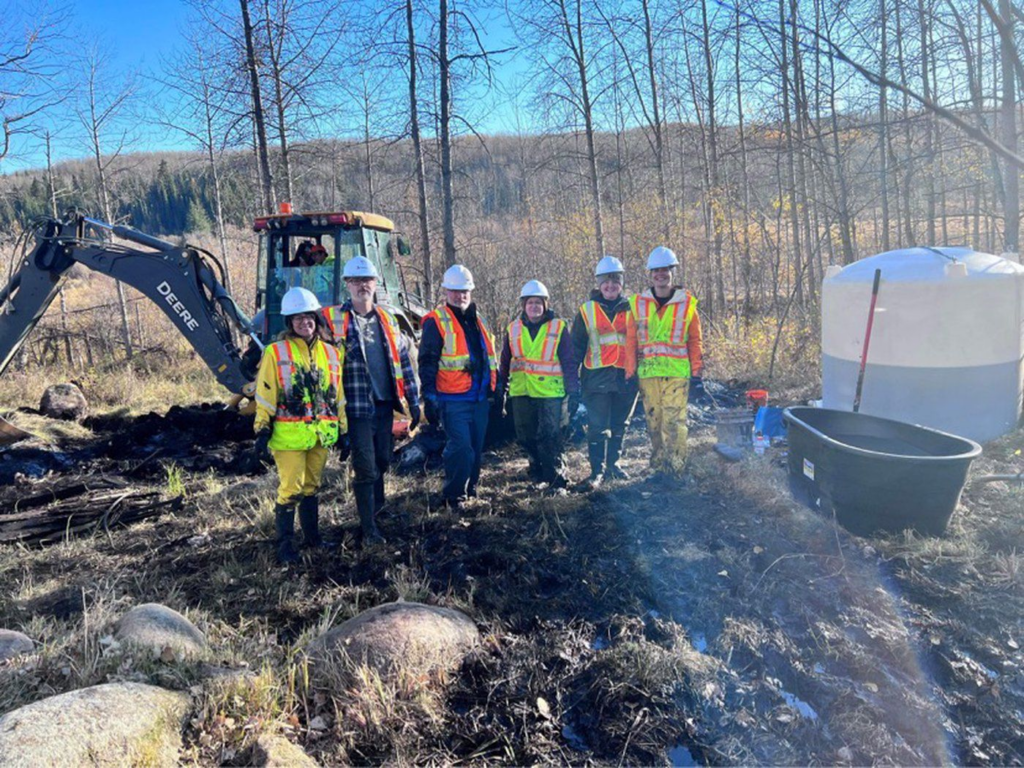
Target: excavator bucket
[[10, 434]]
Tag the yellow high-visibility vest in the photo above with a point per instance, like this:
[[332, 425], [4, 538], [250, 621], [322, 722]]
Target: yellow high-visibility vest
[[662, 334], [535, 370]]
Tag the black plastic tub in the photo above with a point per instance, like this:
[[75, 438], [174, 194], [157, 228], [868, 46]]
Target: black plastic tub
[[876, 474]]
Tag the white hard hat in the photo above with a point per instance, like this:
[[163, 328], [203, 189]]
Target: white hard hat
[[662, 257], [299, 300], [608, 265], [534, 289], [458, 278], [359, 266]]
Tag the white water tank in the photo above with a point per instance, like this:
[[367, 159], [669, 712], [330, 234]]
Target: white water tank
[[947, 344]]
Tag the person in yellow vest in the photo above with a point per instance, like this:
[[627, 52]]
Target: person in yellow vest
[[599, 338], [458, 374], [378, 376], [664, 349], [538, 371], [300, 413]]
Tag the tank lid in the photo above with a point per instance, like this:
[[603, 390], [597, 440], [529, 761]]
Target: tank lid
[[923, 264]]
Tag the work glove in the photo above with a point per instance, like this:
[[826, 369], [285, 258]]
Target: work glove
[[697, 393], [574, 405], [414, 416], [343, 447], [261, 449], [432, 410]]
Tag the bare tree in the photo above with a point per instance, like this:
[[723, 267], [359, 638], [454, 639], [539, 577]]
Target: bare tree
[[259, 120], [30, 69], [103, 114]]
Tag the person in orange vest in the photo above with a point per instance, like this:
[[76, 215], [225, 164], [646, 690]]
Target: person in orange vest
[[458, 375], [599, 337], [664, 350], [300, 413], [378, 376], [539, 373]]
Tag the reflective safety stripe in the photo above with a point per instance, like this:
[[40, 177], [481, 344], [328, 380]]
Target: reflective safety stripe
[[307, 397], [662, 334], [534, 370], [607, 344], [453, 374], [392, 333]]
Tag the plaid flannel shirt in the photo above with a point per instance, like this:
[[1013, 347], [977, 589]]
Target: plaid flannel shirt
[[356, 375]]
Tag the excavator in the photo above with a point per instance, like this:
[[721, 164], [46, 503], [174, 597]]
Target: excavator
[[187, 283]]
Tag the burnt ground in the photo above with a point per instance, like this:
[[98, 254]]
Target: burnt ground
[[715, 623]]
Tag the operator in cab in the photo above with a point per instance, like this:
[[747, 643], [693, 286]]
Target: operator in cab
[[300, 413]]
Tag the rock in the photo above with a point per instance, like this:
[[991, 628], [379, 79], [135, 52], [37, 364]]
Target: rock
[[14, 644], [410, 637], [107, 725], [157, 628], [64, 401], [273, 751]]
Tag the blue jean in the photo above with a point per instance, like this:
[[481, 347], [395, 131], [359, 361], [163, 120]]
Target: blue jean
[[465, 426]]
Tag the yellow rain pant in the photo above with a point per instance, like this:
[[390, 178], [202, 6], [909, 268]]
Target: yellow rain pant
[[665, 406], [299, 473]]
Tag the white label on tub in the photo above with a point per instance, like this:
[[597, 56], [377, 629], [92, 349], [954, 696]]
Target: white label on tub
[[809, 469]]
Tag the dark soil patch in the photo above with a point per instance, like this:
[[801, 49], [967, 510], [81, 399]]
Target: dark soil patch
[[718, 622]]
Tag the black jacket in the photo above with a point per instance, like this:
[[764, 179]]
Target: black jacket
[[431, 346], [599, 379]]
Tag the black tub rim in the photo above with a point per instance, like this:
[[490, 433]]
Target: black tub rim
[[791, 417]]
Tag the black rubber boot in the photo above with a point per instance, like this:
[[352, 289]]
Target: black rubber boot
[[284, 525], [595, 452], [614, 471], [309, 518], [364, 505]]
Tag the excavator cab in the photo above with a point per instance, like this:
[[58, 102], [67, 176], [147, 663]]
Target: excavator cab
[[310, 250]]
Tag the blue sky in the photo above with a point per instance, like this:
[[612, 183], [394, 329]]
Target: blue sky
[[138, 34]]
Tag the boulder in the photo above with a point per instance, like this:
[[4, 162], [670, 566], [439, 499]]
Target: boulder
[[274, 751], [14, 644], [64, 401], [400, 637], [107, 725], [159, 628]]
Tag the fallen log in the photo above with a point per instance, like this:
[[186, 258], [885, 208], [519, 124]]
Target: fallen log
[[83, 515]]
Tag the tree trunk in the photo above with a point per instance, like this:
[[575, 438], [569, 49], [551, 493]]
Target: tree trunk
[[51, 189], [259, 119], [447, 194], [714, 173], [274, 46], [1011, 175], [574, 37], [794, 213], [421, 179], [883, 127], [105, 207], [656, 125]]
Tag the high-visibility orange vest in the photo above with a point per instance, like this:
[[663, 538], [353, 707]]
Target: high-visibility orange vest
[[453, 374], [391, 332], [535, 370], [662, 335], [607, 345], [307, 395]]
